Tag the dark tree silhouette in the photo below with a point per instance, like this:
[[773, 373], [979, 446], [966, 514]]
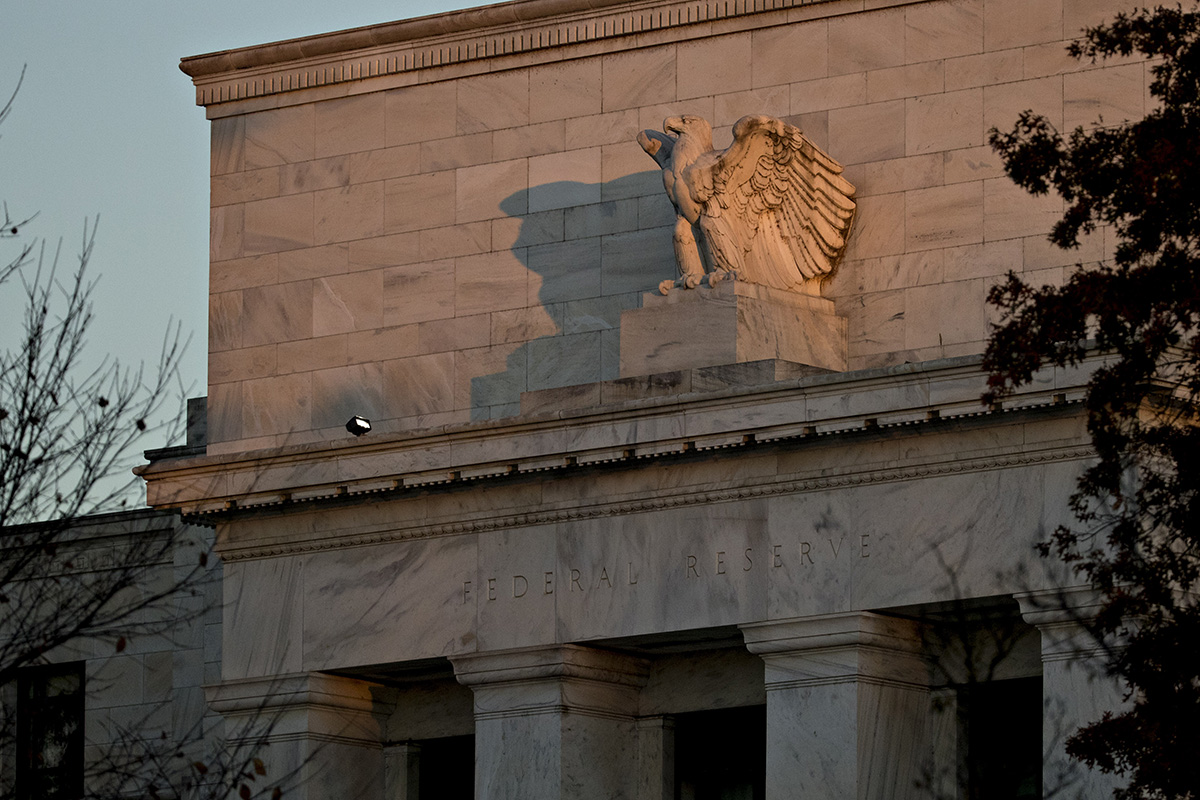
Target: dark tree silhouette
[[1137, 537]]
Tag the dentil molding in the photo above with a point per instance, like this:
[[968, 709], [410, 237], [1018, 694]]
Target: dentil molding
[[474, 36]]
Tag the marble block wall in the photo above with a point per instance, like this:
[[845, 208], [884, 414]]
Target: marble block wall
[[731, 323], [421, 247], [147, 695]]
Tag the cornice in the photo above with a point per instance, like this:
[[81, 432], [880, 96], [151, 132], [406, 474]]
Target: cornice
[[409, 49], [817, 408]]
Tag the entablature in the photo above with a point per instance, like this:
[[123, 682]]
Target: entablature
[[825, 407]]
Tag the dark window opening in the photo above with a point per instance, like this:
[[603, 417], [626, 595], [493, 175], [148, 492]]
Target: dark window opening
[[1004, 739], [50, 732], [721, 755], [447, 768]]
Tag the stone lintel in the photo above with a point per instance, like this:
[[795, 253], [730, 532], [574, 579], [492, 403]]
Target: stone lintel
[[731, 323]]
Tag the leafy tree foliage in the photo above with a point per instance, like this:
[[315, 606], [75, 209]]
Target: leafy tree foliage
[[1138, 505]]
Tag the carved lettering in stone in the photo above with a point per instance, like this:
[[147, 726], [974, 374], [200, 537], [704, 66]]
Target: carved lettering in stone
[[772, 209], [696, 566]]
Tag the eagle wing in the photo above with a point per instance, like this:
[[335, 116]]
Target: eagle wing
[[776, 208]]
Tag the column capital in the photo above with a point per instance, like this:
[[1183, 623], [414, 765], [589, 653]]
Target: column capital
[[581, 680], [559, 661], [847, 703], [306, 704], [279, 691], [850, 628], [1051, 607], [833, 648], [1062, 616], [553, 723]]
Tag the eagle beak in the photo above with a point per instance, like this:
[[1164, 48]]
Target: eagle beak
[[673, 125]]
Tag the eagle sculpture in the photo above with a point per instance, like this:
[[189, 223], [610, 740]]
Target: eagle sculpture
[[772, 209]]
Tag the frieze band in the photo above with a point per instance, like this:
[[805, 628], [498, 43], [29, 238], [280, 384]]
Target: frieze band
[[683, 499]]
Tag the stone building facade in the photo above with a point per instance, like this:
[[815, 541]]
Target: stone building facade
[[93, 716], [601, 543]]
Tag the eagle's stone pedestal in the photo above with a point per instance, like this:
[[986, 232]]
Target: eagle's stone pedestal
[[731, 323]]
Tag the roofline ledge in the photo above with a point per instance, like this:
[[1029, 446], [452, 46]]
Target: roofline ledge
[[384, 34]]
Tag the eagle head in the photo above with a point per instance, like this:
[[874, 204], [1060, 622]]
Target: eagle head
[[692, 127]]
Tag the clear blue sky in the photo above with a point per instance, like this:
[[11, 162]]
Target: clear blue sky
[[106, 124]]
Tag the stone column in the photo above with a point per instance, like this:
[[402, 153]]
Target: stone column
[[656, 758], [555, 723], [402, 763], [1075, 688], [847, 706], [320, 736]]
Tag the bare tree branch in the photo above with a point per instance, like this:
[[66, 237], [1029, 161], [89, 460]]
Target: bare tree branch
[[71, 428]]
